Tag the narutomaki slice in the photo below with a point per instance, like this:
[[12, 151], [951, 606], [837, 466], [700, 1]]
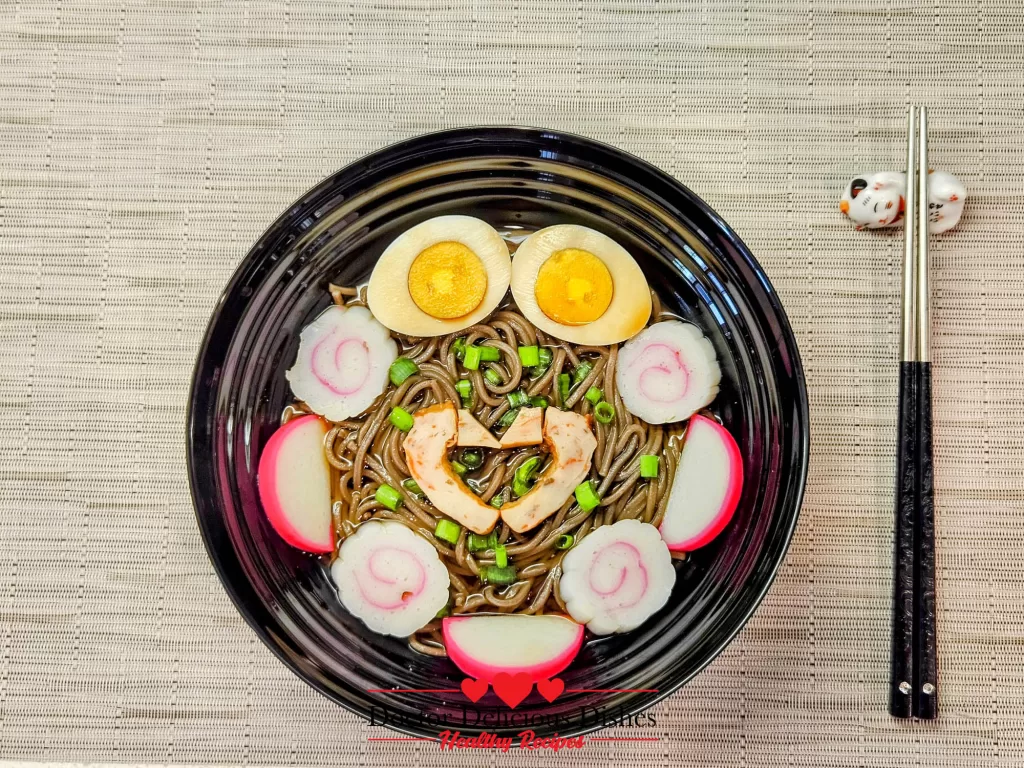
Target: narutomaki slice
[[342, 364], [617, 577], [390, 578], [667, 372]]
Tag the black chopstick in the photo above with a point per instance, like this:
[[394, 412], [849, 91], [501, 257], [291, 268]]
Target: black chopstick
[[914, 683], [901, 683], [926, 691]]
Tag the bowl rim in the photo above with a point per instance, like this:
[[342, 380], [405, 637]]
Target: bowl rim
[[785, 339]]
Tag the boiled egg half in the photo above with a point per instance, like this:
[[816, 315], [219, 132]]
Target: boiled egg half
[[440, 276], [579, 285]]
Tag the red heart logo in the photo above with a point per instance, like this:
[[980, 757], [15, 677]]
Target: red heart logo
[[550, 689], [512, 689], [474, 689]]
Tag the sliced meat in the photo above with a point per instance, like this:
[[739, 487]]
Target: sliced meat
[[525, 430], [426, 453], [570, 439], [473, 433]]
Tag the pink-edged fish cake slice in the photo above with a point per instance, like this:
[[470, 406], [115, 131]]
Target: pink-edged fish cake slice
[[706, 488]]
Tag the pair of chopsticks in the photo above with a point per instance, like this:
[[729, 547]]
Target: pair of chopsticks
[[914, 685]]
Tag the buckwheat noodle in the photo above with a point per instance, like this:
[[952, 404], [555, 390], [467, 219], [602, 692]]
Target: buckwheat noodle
[[366, 451]]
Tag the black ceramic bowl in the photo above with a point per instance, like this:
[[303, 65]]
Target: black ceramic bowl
[[516, 179]]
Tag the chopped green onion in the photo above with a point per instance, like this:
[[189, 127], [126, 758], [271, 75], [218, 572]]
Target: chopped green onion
[[472, 459], [539, 401], [499, 499], [594, 395], [413, 487], [459, 347], [500, 556], [479, 542], [604, 412], [443, 612], [563, 388], [582, 371], [649, 466], [401, 418], [493, 574], [522, 482], [465, 389], [448, 531], [518, 399], [492, 376], [471, 359], [388, 496], [508, 418], [586, 496], [529, 356], [401, 370], [565, 541], [458, 468], [544, 358], [490, 354]]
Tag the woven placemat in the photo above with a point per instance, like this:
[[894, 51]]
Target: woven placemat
[[144, 146]]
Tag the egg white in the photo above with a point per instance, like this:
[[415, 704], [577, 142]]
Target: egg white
[[630, 307], [388, 292]]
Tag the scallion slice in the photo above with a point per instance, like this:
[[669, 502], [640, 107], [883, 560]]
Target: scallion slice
[[522, 481], [401, 370], [448, 530], [471, 358], [479, 542], [582, 371], [586, 496], [492, 574], [529, 356], [490, 354], [563, 389], [500, 556], [465, 389], [518, 399], [459, 347], [388, 496], [649, 465], [401, 418], [472, 459], [594, 395], [413, 488], [604, 412]]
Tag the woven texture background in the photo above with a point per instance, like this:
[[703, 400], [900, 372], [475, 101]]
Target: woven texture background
[[144, 146]]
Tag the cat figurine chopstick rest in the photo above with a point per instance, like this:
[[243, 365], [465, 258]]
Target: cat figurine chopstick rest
[[874, 201]]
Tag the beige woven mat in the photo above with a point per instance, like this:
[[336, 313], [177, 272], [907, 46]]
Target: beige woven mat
[[144, 146]]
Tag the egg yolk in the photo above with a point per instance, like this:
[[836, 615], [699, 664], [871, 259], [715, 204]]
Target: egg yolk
[[574, 287], [447, 280]]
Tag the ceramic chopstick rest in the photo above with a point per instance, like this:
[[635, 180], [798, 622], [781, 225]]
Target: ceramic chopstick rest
[[875, 201]]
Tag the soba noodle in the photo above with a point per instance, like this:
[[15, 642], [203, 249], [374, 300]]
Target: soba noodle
[[367, 451]]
